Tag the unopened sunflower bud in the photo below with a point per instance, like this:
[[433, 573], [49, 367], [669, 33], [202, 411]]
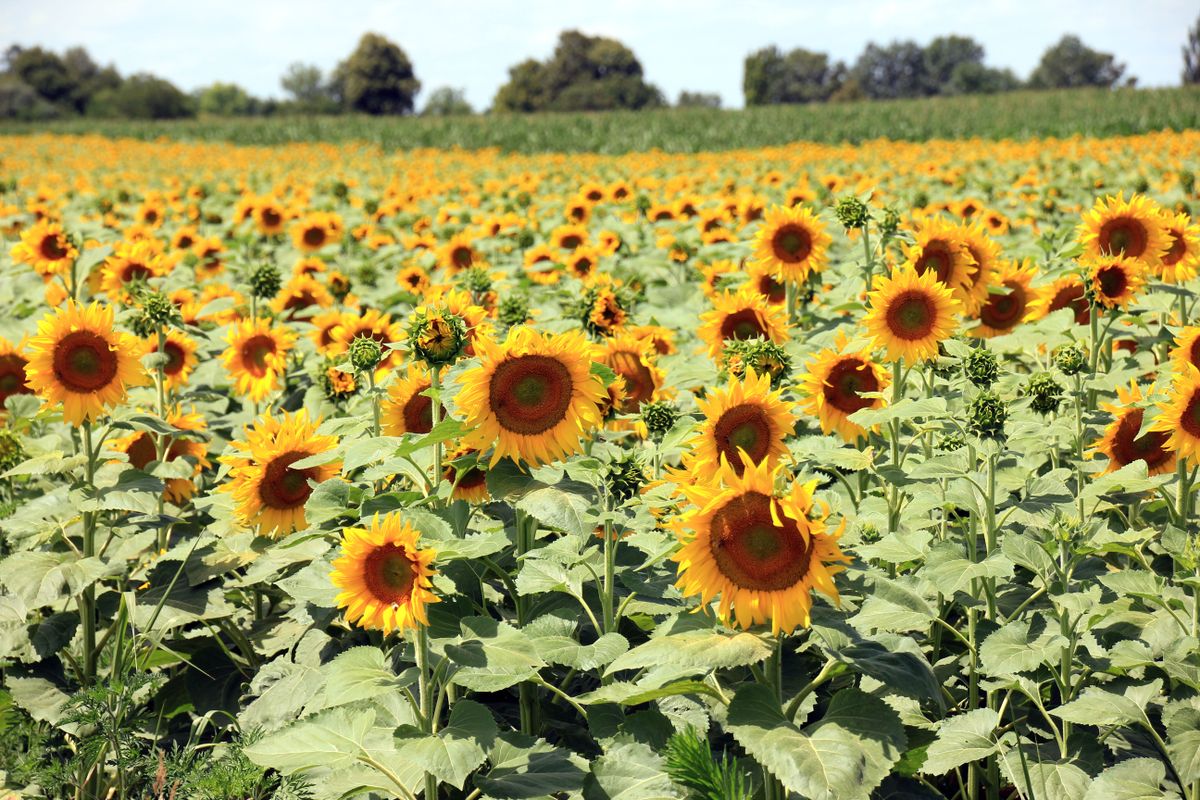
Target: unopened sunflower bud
[[625, 477], [156, 313], [437, 337], [659, 417], [852, 213], [513, 310], [1046, 393], [981, 368], [12, 452], [365, 353], [986, 415], [265, 281], [1071, 359]]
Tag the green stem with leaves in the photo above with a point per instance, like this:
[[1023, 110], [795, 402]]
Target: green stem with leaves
[[87, 599], [435, 411], [163, 440], [425, 697]]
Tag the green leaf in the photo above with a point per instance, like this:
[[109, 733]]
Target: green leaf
[[360, 673], [523, 768], [329, 500], [1044, 780], [630, 771], [1010, 649], [134, 491], [492, 656], [701, 650], [1132, 779], [569, 512], [42, 578], [631, 694], [967, 737], [844, 755], [333, 740], [1183, 734], [458, 749], [1096, 706], [567, 652], [39, 698]]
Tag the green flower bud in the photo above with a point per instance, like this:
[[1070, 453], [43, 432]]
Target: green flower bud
[[625, 477], [513, 310], [1071, 359], [265, 281], [852, 213], [437, 337], [156, 313], [659, 417], [1045, 391], [365, 353], [986, 415], [12, 452], [981, 368]]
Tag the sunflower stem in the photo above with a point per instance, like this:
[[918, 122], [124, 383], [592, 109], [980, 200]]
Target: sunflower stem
[[376, 427], [87, 600], [163, 442], [435, 415], [791, 292], [868, 256], [1094, 350], [425, 692], [1183, 498], [526, 691]]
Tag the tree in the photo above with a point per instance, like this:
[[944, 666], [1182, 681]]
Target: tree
[[698, 100], [44, 72], [585, 73], [447, 102], [377, 78], [800, 76], [897, 70], [971, 78], [18, 100], [1070, 63], [225, 100], [946, 54], [1191, 55], [306, 85], [143, 96]]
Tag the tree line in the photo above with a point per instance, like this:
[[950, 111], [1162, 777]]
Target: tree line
[[584, 73]]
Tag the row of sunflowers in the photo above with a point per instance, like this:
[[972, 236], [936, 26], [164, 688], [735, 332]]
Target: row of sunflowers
[[807, 472]]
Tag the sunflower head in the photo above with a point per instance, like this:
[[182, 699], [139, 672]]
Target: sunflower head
[[745, 421], [745, 314], [911, 314], [835, 384], [791, 243], [1117, 228], [1124, 442], [1115, 282], [1179, 416], [385, 576]]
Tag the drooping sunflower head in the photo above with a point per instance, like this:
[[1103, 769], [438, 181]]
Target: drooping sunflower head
[[1121, 441], [761, 552], [269, 493], [532, 396], [385, 576], [791, 243], [1067, 291], [407, 408], [744, 421], [744, 314], [1119, 229], [256, 357], [79, 360], [1115, 282], [131, 264], [12, 371], [910, 314], [1013, 301], [1179, 415], [633, 358], [466, 471], [1181, 261], [835, 382]]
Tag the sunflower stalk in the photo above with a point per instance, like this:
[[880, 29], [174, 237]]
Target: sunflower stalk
[[87, 600], [163, 440], [425, 693], [435, 415]]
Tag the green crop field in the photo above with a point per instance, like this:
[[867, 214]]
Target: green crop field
[[1088, 112]]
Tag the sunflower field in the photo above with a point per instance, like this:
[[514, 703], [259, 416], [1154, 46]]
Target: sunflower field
[[812, 471]]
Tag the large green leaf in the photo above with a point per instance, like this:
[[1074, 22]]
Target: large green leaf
[[701, 650], [844, 756], [458, 749], [967, 737], [1132, 779], [566, 511], [629, 770], [523, 768], [1012, 649], [492, 656], [360, 673]]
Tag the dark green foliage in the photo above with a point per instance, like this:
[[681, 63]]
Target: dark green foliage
[[659, 417], [1070, 63], [377, 78], [698, 100], [226, 100], [586, 73], [691, 764], [897, 70], [987, 414], [265, 281], [1191, 55], [800, 76], [143, 96], [307, 89], [1045, 392], [447, 102], [981, 368]]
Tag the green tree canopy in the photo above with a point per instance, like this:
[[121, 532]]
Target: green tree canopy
[[447, 102], [143, 96], [689, 99], [800, 76], [225, 100], [585, 73], [1191, 55], [377, 78], [897, 70], [946, 54], [1070, 63]]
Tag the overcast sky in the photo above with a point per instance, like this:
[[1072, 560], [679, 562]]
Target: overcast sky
[[469, 44]]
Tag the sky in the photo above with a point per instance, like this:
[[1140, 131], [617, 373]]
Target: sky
[[697, 45]]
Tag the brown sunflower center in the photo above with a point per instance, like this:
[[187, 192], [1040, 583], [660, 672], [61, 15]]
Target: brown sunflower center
[[418, 412], [571, 241], [775, 291], [142, 451], [846, 380], [938, 256], [1123, 236], [911, 315], [639, 380], [1112, 281], [175, 358], [751, 551], [254, 354], [1194, 352], [314, 236], [271, 217], [530, 394], [1071, 296], [135, 272], [150, 215], [53, 248], [12, 377], [1190, 419], [83, 362], [1177, 251], [582, 266], [791, 244], [462, 257], [184, 242], [742, 324], [283, 487], [1004, 311], [1128, 447], [745, 427], [390, 574]]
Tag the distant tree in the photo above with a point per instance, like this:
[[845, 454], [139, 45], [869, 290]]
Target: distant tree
[[1070, 63], [306, 86], [1191, 55], [377, 78], [698, 100], [971, 78], [897, 70], [18, 100], [801, 76], [90, 77], [45, 72], [585, 73], [447, 102], [946, 54], [225, 100], [143, 96]]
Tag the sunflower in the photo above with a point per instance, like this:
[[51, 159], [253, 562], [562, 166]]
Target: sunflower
[[180, 350], [407, 408], [1187, 348], [459, 254], [744, 314], [582, 262], [316, 230], [761, 279], [1004, 311], [1179, 416], [78, 360], [374, 325], [413, 279], [1117, 229], [632, 358], [1066, 292], [762, 554], [257, 357], [1121, 442], [791, 243], [1115, 282], [743, 417], [532, 396], [1181, 262], [268, 493], [910, 314], [301, 292], [12, 371], [941, 248], [131, 263], [834, 385], [269, 215], [465, 471], [324, 335], [568, 237], [46, 248], [385, 576], [141, 449], [982, 274], [208, 257]]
